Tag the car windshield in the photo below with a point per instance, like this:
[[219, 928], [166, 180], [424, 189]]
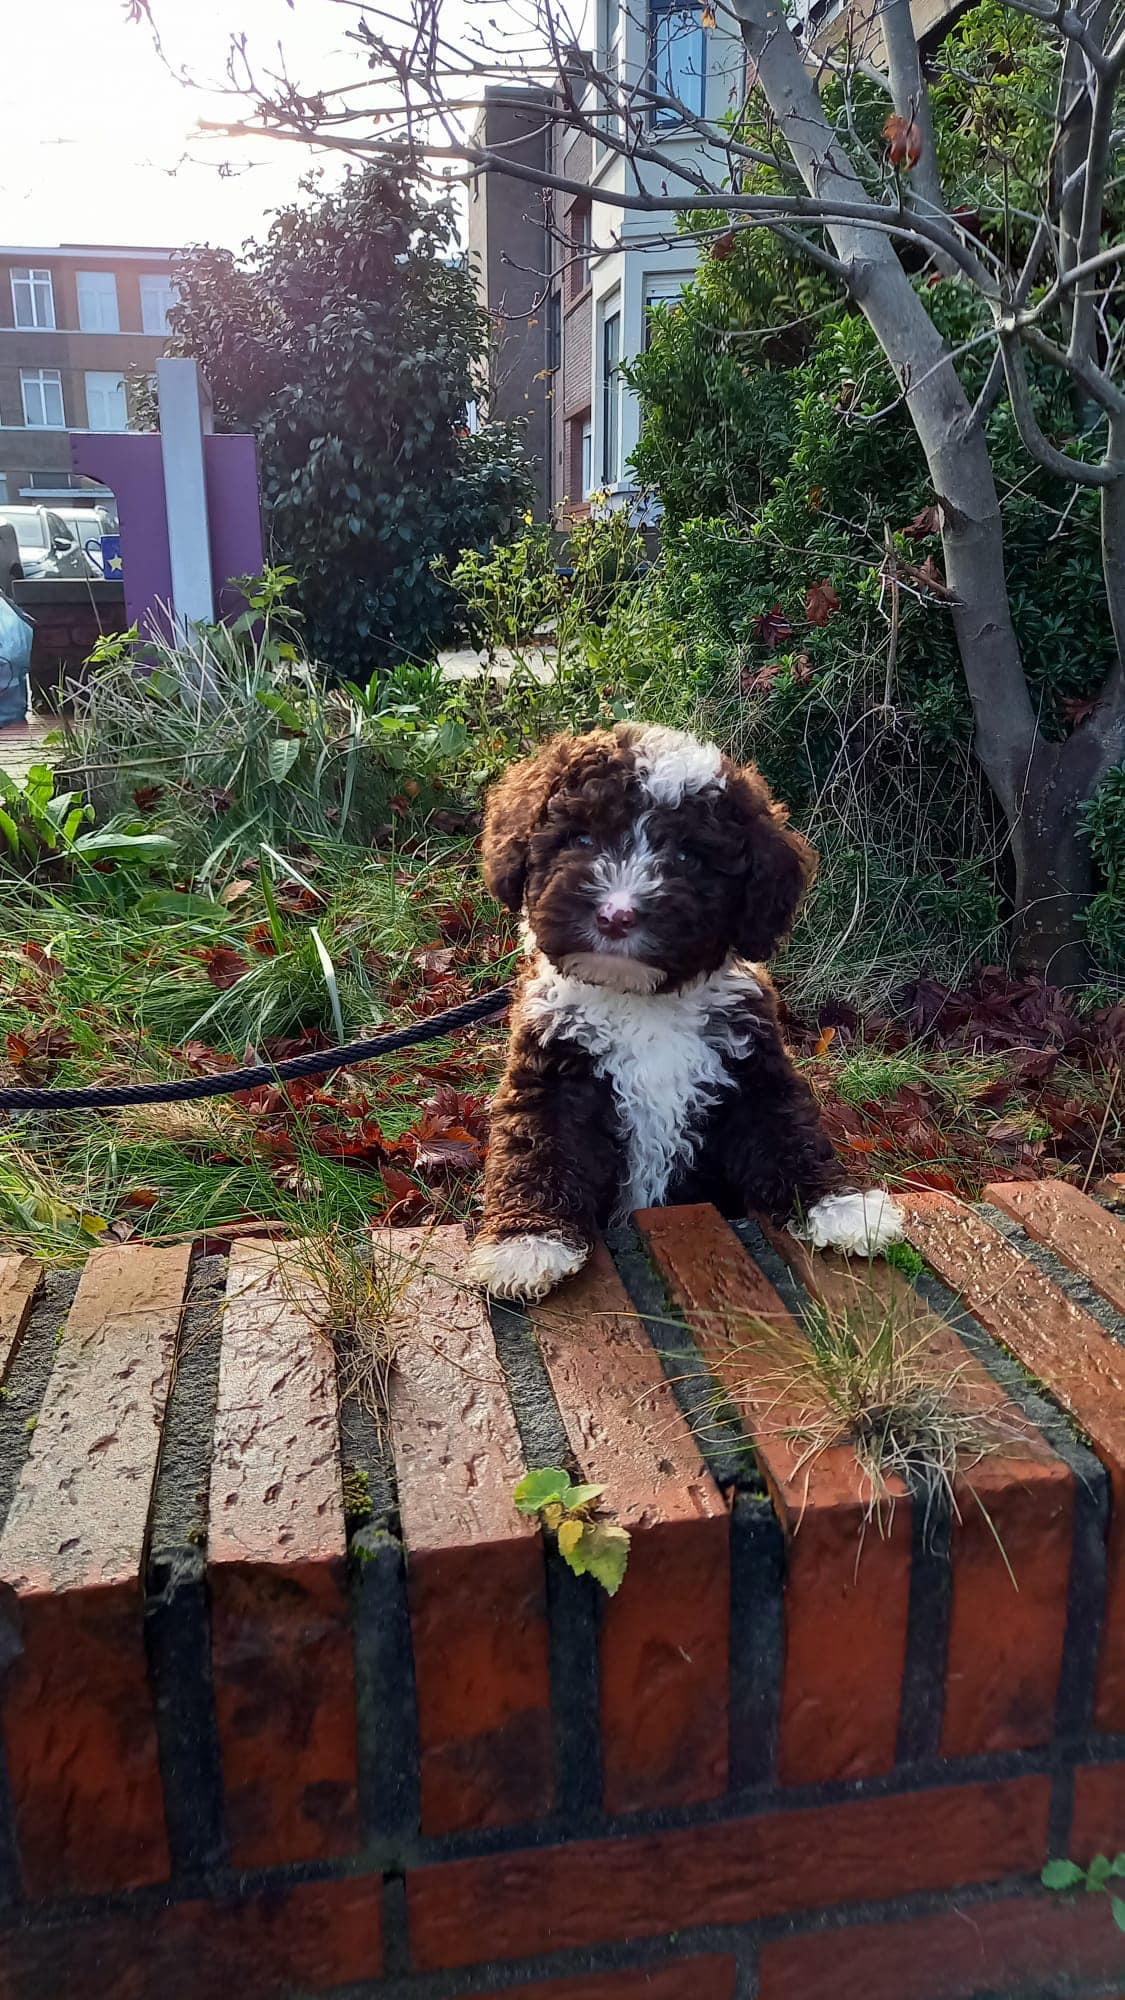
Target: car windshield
[[31, 529]]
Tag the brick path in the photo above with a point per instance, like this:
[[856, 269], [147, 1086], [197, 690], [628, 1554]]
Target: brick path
[[291, 1699]]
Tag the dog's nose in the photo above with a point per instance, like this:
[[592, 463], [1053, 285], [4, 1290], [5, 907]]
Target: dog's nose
[[615, 920]]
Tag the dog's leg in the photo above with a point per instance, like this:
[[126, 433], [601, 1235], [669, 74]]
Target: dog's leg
[[776, 1156], [550, 1172]]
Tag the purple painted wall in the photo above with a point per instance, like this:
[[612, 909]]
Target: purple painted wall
[[131, 466]]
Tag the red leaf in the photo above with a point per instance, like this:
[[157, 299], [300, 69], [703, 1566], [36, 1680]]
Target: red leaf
[[262, 939], [459, 1155], [926, 522], [1078, 711], [140, 1198], [435, 958], [218, 798], [930, 1177], [146, 796], [18, 1047], [722, 246], [42, 960], [224, 967], [821, 602], [457, 920], [773, 627], [762, 681], [802, 670], [904, 141]]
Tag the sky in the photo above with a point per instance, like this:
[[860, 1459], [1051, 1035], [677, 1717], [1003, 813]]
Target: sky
[[99, 144]]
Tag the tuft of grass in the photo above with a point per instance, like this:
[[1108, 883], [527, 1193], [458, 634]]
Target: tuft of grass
[[875, 1076]]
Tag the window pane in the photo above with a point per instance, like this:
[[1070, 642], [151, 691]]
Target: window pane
[[679, 55], [611, 398], [158, 296], [97, 302], [33, 302], [105, 401], [42, 398]]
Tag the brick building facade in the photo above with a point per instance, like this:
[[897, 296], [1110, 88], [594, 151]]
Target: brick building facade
[[75, 321]]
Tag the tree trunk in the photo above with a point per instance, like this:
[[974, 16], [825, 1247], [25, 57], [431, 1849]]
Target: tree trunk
[[1054, 874]]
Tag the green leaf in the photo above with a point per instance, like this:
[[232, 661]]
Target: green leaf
[[1117, 1865], [537, 1489], [329, 971], [1062, 1875], [10, 831], [283, 754], [602, 1552], [1097, 1874], [178, 903], [110, 846], [1117, 1905], [277, 705], [581, 1496]]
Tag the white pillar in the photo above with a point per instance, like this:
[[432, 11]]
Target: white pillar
[[185, 420]]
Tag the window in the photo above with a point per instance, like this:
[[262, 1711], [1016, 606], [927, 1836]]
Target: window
[[609, 50], [97, 302], [587, 459], [3, 487], [679, 60], [42, 399], [579, 248], [554, 330], [33, 298], [611, 398], [661, 292], [105, 401], [158, 296]]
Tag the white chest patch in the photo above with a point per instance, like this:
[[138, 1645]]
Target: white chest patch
[[666, 1057]]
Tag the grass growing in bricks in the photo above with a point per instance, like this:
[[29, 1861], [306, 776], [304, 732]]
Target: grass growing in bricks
[[864, 1376]]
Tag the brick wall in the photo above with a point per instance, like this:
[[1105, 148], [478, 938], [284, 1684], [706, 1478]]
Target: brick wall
[[299, 1701], [68, 618]]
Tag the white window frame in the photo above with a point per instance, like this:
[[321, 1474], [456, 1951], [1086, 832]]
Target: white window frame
[[98, 309], [661, 290], [611, 393], [587, 458], [40, 380], [102, 384], [154, 284], [32, 282]]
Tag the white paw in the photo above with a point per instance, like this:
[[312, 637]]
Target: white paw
[[864, 1223], [523, 1267]]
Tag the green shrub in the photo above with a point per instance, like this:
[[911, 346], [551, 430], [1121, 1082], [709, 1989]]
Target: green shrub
[[1104, 817]]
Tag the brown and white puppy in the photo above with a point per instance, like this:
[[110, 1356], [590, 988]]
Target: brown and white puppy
[[646, 1064]]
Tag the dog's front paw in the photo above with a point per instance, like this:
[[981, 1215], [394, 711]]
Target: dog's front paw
[[524, 1267], [866, 1224]]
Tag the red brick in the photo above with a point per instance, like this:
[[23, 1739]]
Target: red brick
[[1077, 1229], [665, 1636], [1012, 1529], [1067, 1351], [1099, 1811], [475, 1573], [77, 1711], [20, 1279], [281, 1633], [1017, 1943], [309, 1935], [601, 1891], [847, 1585], [687, 1979]]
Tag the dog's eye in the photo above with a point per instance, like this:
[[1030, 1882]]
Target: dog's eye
[[581, 840], [685, 855]]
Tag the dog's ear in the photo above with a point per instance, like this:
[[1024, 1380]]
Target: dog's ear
[[514, 808], [779, 865]]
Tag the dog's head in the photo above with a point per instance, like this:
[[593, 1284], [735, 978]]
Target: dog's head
[[642, 858]]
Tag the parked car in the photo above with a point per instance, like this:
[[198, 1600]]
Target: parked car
[[88, 525], [11, 568], [48, 546]]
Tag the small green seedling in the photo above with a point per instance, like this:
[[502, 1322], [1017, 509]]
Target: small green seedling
[[1095, 1880], [590, 1548], [905, 1258]]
